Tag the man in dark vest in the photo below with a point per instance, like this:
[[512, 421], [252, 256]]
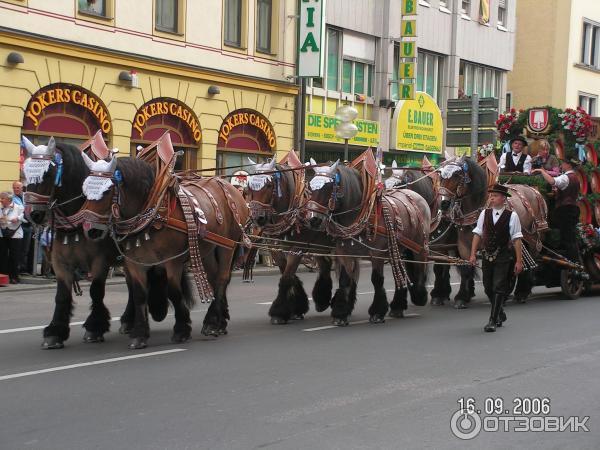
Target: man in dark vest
[[516, 160], [566, 212], [499, 232]]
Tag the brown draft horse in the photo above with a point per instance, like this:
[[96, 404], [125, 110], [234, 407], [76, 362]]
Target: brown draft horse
[[147, 218], [275, 194], [464, 190], [342, 203], [55, 173]]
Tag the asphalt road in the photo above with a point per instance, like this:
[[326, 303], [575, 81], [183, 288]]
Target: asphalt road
[[304, 385]]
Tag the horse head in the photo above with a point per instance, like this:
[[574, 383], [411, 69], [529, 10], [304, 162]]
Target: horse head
[[324, 191], [42, 177], [463, 182], [99, 190], [263, 191]]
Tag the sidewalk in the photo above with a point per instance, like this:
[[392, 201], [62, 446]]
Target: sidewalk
[[30, 283]]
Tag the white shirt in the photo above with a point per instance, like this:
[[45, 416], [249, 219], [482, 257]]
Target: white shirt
[[13, 211], [526, 164], [562, 181], [514, 225]]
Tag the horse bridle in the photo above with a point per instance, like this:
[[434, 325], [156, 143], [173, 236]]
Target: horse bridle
[[256, 207], [325, 213]]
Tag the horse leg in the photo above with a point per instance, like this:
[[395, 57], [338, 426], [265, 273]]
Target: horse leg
[[214, 316], [140, 332], [379, 307], [291, 301], [340, 303], [467, 273], [98, 322], [217, 325], [58, 330], [321, 292], [417, 272], [128, 315], [182, 330], [441, 287]]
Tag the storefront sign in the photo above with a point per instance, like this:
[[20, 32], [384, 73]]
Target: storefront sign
[[407, 70], [409, 7], [321, 128], [406, 91], [247, 117], [311, 38], [70, 94], [409, 28], [417, 125], [170, 108]]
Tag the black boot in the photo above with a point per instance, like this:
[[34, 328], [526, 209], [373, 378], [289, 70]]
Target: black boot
[[495, 314], [501, 318]]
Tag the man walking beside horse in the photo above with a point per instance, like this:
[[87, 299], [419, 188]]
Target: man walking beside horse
[[499, 232]]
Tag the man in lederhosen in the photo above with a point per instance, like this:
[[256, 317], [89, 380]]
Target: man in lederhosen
[[516, 160], [499, 232], [566, 212]]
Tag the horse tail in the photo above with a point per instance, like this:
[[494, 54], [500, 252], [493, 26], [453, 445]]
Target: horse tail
[[187, 290], [158, 303]]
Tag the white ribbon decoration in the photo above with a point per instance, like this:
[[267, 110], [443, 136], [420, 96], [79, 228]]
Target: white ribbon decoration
[[34, 169], [391, 182], [257, 182], [94, 187], [449, 170], [319, 181]]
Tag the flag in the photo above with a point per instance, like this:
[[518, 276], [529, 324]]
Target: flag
[[484, 12]]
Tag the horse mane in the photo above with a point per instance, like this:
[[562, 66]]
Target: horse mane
[[424, 185], [74, 169], [138, 177], [478, 189], [351, 190]]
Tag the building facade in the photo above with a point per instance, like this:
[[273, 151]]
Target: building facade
[[558, 63], [217, 74], [460, 51]]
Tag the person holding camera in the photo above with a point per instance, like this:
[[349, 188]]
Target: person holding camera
[[11, 218]]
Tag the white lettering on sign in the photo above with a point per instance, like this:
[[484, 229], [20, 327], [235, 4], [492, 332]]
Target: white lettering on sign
[[34, 170], [95, 187]]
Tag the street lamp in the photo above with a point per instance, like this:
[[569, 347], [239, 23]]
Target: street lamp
[[344, 128]]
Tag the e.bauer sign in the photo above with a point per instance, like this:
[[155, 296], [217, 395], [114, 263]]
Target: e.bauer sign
[[417, 125]]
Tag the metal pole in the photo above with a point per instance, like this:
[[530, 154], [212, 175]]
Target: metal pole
[[301, 140], [345, 150], [474, 125]]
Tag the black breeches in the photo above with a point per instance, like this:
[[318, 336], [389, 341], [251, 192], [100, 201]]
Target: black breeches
[[497, 274]]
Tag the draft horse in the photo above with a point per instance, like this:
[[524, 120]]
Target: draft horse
[[367, 223], [163, 221], [276, 193], [54, 175], [464, 195]]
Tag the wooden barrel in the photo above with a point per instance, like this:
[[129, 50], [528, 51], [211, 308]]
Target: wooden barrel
[[591, 154], [585, 211], [559, 149], [595, 180], [583, 181], [597, 211]]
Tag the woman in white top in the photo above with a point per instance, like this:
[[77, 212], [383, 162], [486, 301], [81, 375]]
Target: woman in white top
[[11, 218]]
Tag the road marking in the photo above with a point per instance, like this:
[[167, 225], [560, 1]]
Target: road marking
[[264, 303], [41, 327], [91, 363], [358, 322]]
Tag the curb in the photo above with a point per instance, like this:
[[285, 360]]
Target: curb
[[35, 285]]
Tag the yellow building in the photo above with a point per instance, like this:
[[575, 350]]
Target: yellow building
[[136, 69], [557, 55]]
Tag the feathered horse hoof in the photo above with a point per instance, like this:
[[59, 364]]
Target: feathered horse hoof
[[340, 322], [52, 343], [125, 328], [377, 318], [92, 337], [297, 317], [278, 321], [438, 301], [460, 304], [180, 338], [397, 314], [138, 343], [210, 330]]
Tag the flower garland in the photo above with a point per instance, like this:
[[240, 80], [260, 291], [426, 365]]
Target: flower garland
[[508, 125], [588, 236], [578, 122], [485, 150]]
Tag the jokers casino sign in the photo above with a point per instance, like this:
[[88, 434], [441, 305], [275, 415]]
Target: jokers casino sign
[[166, 107], [248, 118], [68, 94]]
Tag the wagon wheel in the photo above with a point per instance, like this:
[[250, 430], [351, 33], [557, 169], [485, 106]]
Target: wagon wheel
[[571, 285]]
